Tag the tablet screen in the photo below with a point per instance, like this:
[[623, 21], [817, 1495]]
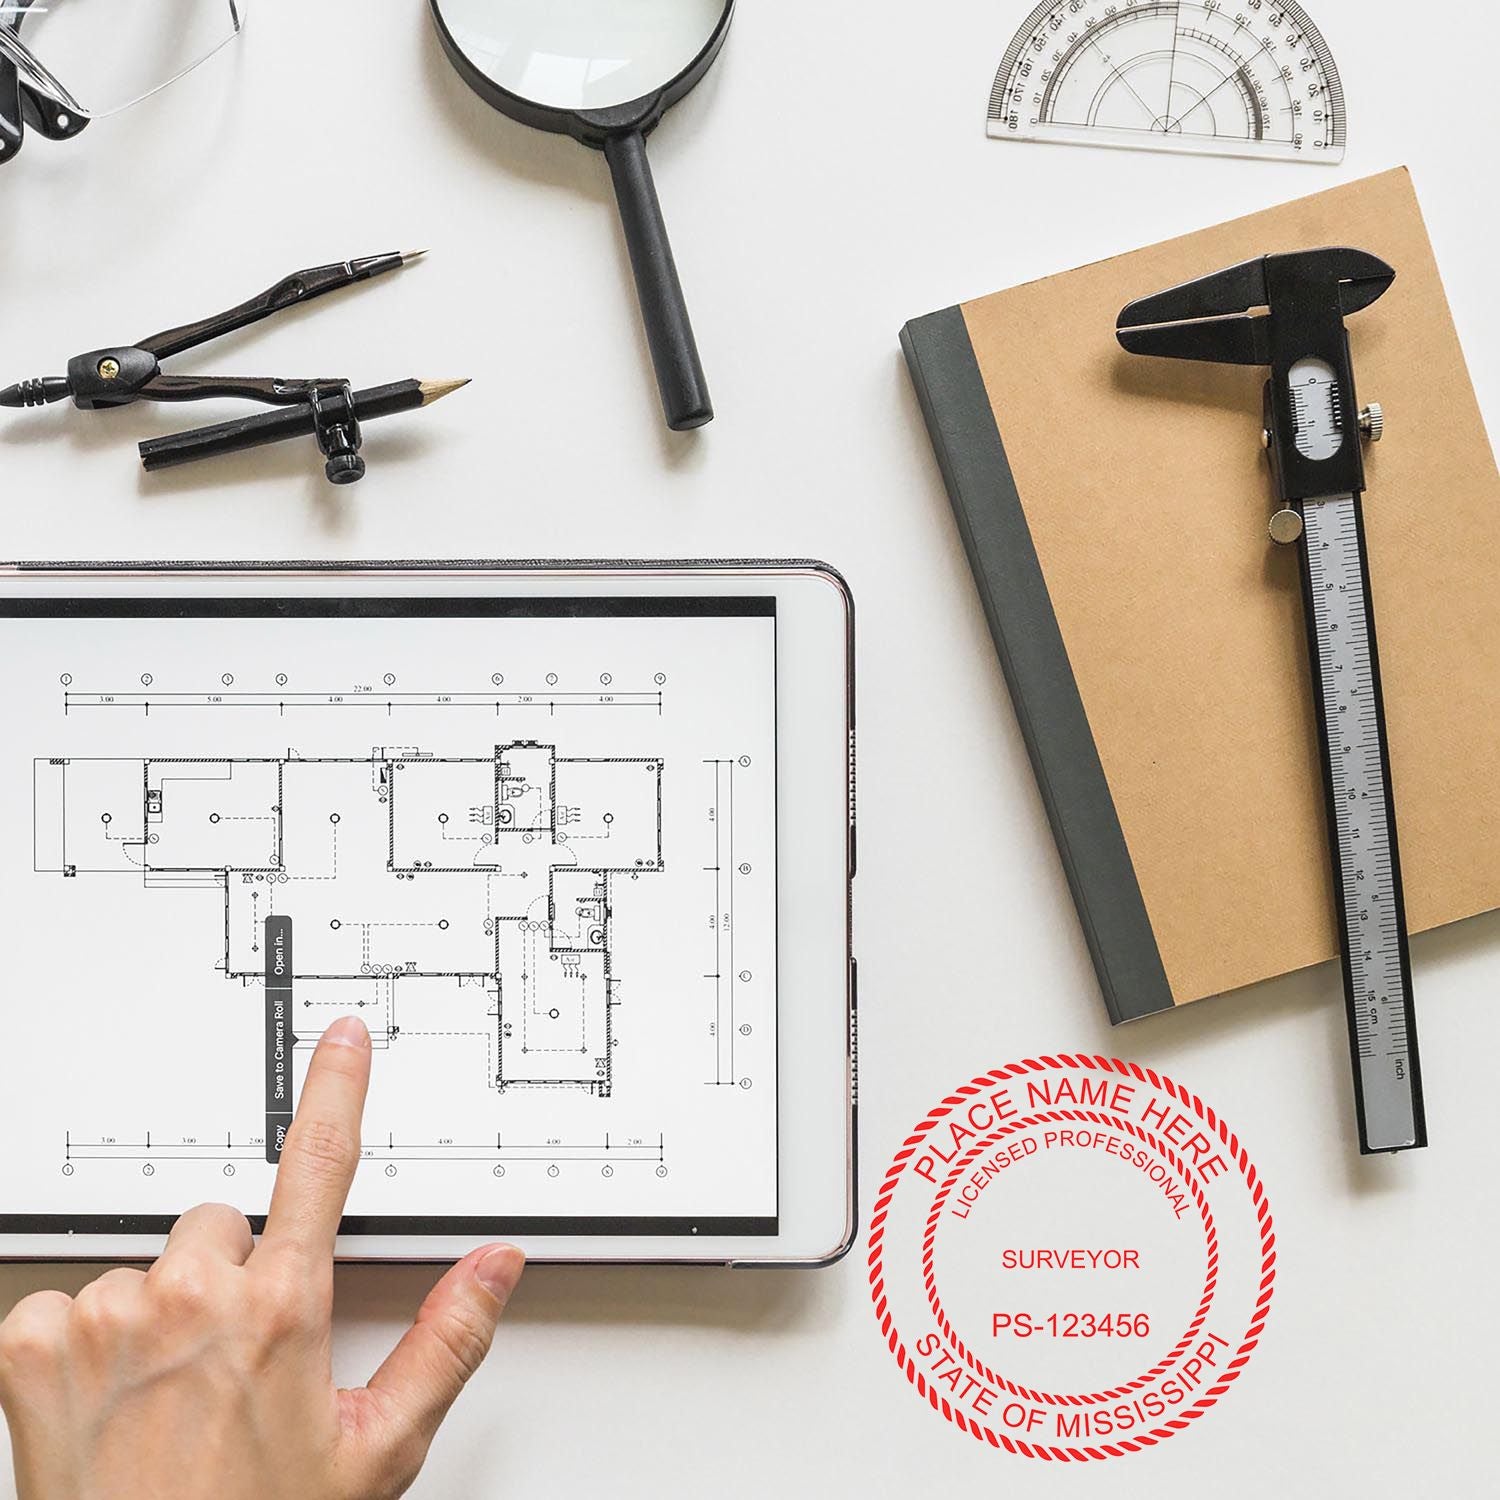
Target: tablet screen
[[530, 841]]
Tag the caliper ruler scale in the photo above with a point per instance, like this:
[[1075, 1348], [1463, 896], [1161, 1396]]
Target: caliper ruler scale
[[1313, 431]]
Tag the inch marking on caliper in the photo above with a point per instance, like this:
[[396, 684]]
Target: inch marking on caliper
[[1367, 875], [1313, 431]]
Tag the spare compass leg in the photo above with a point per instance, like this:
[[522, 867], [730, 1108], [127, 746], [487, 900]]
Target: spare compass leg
[[1361, 826]]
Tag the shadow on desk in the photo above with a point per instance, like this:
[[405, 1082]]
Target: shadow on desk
[[639, 1296]]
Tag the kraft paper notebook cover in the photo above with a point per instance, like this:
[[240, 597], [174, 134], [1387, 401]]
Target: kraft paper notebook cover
[[1114, 510]]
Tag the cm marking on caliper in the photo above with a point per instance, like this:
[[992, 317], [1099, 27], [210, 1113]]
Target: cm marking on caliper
[[1313, 430]]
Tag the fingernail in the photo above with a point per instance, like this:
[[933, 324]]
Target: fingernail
[[499, 1270], [348, 1031]]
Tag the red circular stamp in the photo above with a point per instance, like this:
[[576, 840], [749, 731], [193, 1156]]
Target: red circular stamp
[[1072, 1258]]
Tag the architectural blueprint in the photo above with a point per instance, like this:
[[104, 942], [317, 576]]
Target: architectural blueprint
[[549, 891], [334, 896]]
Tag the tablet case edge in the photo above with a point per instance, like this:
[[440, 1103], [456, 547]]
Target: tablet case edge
[[21, 568]]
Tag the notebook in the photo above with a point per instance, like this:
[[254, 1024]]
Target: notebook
[[1114, 510]]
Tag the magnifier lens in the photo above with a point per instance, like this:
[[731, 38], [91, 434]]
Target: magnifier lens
[[582, 54]]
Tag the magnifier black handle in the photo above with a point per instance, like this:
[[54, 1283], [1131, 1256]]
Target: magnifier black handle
[[669, 331]]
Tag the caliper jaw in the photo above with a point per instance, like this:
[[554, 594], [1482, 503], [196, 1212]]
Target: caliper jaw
[[1306, 296]]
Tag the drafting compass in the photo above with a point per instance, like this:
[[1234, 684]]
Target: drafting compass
[[328, 409], [1313, 435], [1255, 79]]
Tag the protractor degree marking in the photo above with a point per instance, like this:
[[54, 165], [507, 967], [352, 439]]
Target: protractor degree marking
[[1166, 113], [1116, 73], [1243, 73], [1090, 37], [1090, 72]]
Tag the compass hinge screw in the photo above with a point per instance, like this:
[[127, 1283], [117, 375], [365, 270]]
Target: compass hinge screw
[[1372, 422]]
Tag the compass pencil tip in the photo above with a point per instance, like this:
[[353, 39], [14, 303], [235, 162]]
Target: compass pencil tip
[[435, 390], [408, 256]]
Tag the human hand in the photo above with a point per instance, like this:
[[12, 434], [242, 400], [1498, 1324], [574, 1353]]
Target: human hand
[[209, 1377]]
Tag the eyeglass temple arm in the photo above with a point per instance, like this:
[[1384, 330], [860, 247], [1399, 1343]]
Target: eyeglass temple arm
[[38, 82], [21, 106]]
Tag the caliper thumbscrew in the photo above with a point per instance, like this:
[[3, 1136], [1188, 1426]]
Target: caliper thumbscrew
[[1286, 527]]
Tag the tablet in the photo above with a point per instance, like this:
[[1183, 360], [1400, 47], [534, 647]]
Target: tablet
[[576, 841]]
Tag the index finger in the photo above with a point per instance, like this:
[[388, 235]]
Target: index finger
[[322, 1146]]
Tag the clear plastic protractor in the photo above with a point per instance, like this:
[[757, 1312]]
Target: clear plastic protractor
[[1222, 77]]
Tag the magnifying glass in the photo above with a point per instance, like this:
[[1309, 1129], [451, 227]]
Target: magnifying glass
[[604, 72]]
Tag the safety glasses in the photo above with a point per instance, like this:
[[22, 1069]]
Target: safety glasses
[[66, 62]]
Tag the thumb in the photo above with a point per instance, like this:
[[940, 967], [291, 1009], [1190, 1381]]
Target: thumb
[[423, 1375]]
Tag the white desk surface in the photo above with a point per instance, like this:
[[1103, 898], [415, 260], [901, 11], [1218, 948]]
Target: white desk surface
[[829, 181]]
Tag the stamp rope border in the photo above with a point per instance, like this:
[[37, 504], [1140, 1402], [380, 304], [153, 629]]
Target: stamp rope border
[[1231, 1142]]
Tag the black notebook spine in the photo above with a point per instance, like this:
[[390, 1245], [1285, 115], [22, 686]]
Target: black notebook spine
[[992, 522]]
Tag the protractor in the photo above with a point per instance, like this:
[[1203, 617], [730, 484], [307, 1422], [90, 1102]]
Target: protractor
[[1224, 77]]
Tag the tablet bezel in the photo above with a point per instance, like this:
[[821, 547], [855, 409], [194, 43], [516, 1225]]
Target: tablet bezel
[[816, 1006]]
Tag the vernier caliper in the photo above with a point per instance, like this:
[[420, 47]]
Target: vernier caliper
[[1313, 427]]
